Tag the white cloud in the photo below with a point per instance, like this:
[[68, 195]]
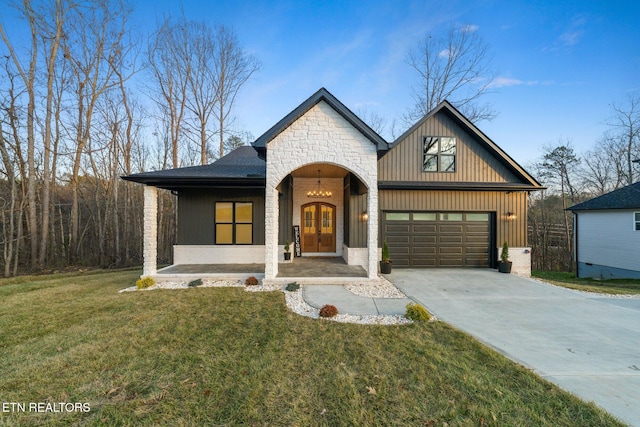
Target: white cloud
[[570, 38], [444, 53], [499, 82], [469, 28]]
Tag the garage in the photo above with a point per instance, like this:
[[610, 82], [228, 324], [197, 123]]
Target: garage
[[440, 239]]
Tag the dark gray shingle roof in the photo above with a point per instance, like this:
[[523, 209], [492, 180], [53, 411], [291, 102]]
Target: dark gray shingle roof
[[244, 166], [623, 198]]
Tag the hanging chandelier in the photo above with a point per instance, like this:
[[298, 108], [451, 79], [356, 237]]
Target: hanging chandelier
[[319, 192]]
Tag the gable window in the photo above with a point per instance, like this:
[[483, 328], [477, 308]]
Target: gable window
[[439, 154], [234, 223], [636, 221]]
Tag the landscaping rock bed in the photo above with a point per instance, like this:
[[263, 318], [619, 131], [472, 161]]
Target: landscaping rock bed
[[297, 304], [381, 289]]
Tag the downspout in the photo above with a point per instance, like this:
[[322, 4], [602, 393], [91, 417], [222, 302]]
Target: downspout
[[575, 241]]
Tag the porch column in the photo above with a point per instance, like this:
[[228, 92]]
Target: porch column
[[372, 230], [271, 232], [150, 233]]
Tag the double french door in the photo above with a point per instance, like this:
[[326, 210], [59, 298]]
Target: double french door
[[318, 227]]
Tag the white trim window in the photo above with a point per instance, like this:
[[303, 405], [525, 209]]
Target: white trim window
[[636, 221]]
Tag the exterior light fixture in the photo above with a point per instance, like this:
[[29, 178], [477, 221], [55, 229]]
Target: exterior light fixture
[[365, 216], [510, 216], [319, 192]]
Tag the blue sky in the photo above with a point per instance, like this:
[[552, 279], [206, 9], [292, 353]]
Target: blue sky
[[560, 64]]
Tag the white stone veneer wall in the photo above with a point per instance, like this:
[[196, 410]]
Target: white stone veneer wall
[[521, 259], [218, 254], [355, 256], [150, 232], [321, 135]]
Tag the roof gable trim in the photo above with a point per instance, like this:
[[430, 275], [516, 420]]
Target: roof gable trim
[[322, 95], [447, 108]]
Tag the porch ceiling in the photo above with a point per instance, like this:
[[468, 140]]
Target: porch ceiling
[[326, 171]]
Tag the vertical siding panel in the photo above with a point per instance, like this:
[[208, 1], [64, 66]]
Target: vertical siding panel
[[474, 163]]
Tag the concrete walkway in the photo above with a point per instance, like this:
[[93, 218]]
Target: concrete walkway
[[586, 343], [349, 303]]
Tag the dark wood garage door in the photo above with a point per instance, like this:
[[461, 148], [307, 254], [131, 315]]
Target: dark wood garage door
[[438, 239]]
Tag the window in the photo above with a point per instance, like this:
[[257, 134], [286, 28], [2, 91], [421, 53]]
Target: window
[[636, 221], [234, 223], [397, 216], [439, 154], [478, 217], [424, 216], [450, 217]]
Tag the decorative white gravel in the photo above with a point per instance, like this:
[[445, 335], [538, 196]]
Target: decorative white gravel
[[380, 289], [297, 304]]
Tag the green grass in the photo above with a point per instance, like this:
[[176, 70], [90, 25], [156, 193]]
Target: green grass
[[222, 356], [569, 280]]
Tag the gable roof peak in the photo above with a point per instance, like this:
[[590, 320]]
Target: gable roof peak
[[454, 114], [322, 94]]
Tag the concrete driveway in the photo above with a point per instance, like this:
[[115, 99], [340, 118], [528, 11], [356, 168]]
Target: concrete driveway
[[587, 344]]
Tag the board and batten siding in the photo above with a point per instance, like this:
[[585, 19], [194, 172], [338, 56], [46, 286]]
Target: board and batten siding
[[608, 238], [513, 231], [355, 204], [473, 162], [196, 214]]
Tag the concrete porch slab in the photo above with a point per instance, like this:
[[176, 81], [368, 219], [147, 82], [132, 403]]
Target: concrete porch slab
[[187, 272], [320, 267]]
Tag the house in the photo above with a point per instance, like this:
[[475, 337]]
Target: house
[[441, 195], [607, 235]]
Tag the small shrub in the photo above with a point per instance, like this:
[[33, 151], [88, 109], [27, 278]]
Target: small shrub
[[417, 313], [195, 283], [145, 282], [251, 281], [328, 310], [292, 287], [385, 252], [504, 256]]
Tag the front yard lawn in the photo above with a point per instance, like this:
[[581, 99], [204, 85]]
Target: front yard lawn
[[223, 356], [569, 280]]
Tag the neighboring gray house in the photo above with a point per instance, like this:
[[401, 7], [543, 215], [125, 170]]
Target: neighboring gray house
[[607, 235]]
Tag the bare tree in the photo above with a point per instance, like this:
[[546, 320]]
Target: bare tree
[[198, 72], [373, 120], [93, 52], [234, 67], [8, 227], [170, 63], [28, 74], [12, 153], [203, 93], [51, 34], [599, 170], [625, 131], [454, 66]]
